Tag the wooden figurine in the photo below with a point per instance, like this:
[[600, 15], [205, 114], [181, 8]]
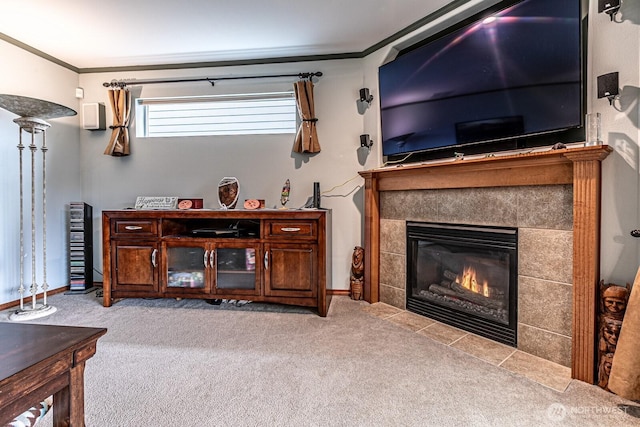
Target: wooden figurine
[[614, 300], [604, 370], [357, 273], [613, 304]]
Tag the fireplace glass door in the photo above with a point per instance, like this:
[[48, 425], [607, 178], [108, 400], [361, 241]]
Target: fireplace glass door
[[464, 276]]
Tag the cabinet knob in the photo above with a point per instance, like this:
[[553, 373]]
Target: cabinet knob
[[133, 227], [266, 260], [290, 229]]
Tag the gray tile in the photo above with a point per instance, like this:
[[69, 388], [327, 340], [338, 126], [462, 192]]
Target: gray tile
[[539, 370], [417, 205], [411, 321], [381, 310], [393, 236], [483, 206], [547, 206], [483, 348], [392, 270], [546, 254], [442, 333], [545, 305], [393, 296], [544, 344]]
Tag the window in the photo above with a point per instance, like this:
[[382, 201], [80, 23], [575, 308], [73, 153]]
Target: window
[[252, 114]]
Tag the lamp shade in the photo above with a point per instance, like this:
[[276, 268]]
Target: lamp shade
[[24, 106]]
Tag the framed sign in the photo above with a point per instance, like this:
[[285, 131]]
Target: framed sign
[[145, 202]]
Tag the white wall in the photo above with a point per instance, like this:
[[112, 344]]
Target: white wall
[[614, 46], [27, 75], [192, 167]]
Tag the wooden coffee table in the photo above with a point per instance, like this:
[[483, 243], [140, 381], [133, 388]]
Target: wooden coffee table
[[37, 361]]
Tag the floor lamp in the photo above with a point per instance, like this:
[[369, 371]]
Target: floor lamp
[[33, 113]]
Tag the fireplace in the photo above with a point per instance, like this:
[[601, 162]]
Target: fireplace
[[538, 227], [465, 276]]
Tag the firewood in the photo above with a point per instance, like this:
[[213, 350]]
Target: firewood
[[450, 275], [457, 291]]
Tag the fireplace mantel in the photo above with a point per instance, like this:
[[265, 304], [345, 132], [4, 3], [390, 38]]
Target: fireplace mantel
[[580, 167]]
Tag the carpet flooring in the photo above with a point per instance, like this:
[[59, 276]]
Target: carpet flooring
[[187, 363]]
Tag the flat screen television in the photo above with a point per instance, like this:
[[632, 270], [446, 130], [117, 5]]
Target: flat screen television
[[507, 78]]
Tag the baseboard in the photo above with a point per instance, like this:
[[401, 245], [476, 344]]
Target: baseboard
[[65, 289], [81, 292]]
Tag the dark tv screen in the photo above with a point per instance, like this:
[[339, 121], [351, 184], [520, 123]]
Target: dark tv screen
[[494, 81]]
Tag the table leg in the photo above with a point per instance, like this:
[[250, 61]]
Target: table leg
[[61, 408], [68, 403], [76, 385]]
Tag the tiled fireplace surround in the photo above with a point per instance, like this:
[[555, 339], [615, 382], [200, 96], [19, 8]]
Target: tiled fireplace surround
[[552, 197], [543, 216]]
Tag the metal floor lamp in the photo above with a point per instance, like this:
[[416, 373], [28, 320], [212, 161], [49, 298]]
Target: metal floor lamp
[[33, 113]]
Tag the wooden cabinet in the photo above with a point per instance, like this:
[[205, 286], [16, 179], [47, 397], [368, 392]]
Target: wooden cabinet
[[278, 256], [134, 267], [134, 256], [291, 270]]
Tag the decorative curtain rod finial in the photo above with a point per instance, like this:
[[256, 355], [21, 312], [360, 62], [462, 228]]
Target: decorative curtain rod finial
[[116, 84], [310, 75]]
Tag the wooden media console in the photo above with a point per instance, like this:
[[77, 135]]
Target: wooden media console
[[278, 256]]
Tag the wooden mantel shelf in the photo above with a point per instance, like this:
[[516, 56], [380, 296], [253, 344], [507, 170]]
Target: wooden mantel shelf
[[580, 167], [541, 168]]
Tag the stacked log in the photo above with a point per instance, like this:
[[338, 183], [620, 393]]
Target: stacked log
[[456, 290]]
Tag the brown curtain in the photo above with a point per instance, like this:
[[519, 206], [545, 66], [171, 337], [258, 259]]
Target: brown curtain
[[307, 136], [120, 100]]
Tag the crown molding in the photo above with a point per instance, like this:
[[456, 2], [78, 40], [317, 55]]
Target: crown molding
[[453, 5], [39, 53]]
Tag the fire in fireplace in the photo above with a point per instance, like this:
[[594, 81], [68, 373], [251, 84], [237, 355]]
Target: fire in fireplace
[[465, 276]]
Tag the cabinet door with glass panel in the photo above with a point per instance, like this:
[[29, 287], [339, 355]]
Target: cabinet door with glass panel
[[188, 266], [236, 272], [227, 269]]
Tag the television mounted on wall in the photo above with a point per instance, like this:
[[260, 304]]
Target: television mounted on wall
[[510, 77]]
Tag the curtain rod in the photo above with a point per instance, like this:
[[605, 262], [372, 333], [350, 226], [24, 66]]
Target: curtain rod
[[212, 80]]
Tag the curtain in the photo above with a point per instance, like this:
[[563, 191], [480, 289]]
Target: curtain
[[120, 100], [307, 136]]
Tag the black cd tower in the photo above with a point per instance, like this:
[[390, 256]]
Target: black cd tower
[[80, 247]]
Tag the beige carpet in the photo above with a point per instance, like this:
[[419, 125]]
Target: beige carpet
[[186, 363]]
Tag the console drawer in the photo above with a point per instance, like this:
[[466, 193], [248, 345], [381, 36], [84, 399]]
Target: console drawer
[[134, 228], [291, 230]]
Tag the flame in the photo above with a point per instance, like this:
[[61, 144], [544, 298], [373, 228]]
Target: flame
[[469, 280]]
